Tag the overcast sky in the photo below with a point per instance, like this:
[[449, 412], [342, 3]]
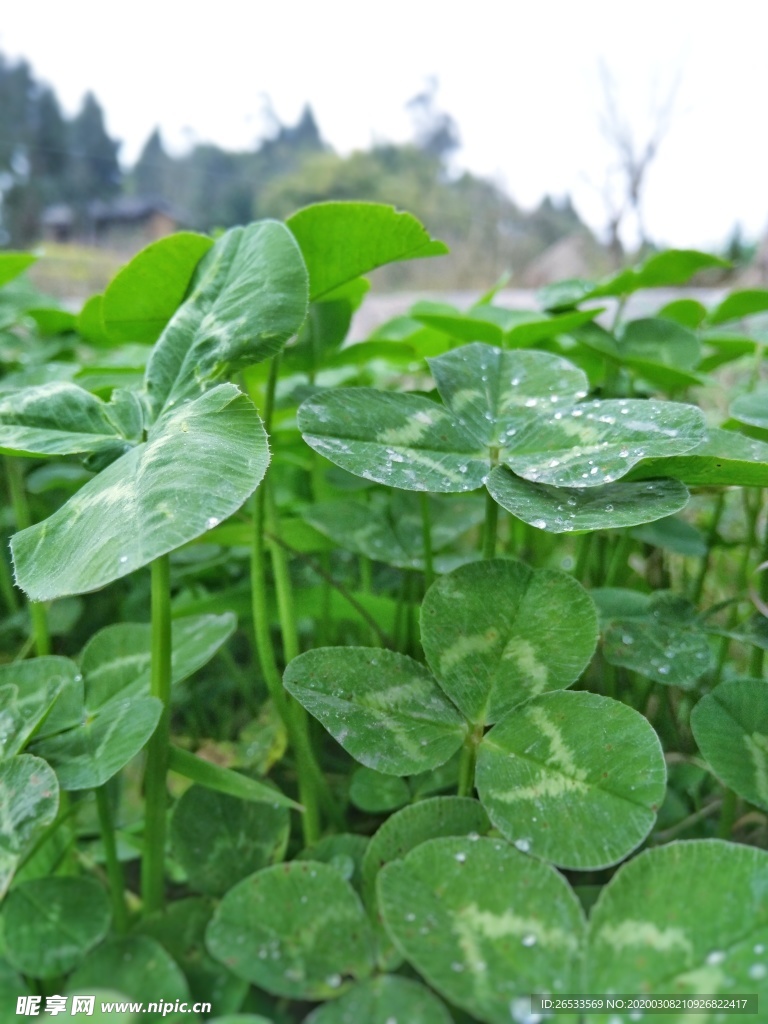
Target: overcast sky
[[521, 80]]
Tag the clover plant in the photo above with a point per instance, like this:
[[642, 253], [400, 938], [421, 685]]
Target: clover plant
[[395, 680]]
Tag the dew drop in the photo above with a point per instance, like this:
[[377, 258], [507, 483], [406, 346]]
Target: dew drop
[[757, 971], [473, 837], [410, 917], [609, 508], [627, 639], [540, 524], [211, 521], [759, 949], [523, 845], [461, 857], [715, 957], [333, 980], [528, 940], [663, 670], [123, 559], [457, 967]]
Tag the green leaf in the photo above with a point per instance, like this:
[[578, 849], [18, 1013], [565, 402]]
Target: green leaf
[[248, 297], [673, 534], [739, 305], [661, 341], [145, 293], [685, 918], [135, 965], [494, 393], [497, 632], [464, 326], [297, 930], [340, 241], [343, 851], [723, 458], [751, 408], [384, 708], [572, 777], [597, 442], [564, 509], [730, 725], [28, 690], [29, 796], [90, 325], [199, 464], [224, 780], [219, 839], [400, 440], [484, 947], [375, 793], [49, 924], [564, 294], [413, 825], [383, 1000], [180, 930], [388, 528], [60, 418], [667, 645], [52, 321], [665, 269], [12, 986], [687, 312], [89, 755], [117, 659], [516, 407], [542, 328], [14, 263]]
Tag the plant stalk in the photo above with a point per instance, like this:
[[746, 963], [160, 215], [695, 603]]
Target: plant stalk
[[114, 867], [37, 612], [153, 862], [468, 761], [426, 535], [491, 522]]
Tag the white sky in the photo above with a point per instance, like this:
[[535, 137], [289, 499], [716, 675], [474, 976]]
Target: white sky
[[520, 77]]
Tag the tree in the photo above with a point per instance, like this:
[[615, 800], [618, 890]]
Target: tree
[[94, 169], [635, 151], [435, 131], [151, 173]]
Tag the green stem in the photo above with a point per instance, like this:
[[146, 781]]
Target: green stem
[[114, 867], [714, 523], [468, 761], [377, 638], [240, 677], [618, 559], [37, 612], [426, 536], [582, 562], [309, 776], [727, 814], [491, 521], [153, 862], [6, 584], [312, 783]]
